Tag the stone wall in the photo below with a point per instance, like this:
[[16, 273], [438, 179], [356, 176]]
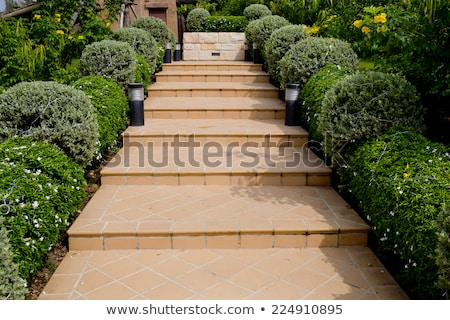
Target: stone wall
[[207, 46]]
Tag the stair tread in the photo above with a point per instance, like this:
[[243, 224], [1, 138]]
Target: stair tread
[[226, 127], [209, 103], [213, 72], [221, 274], [210, 86], [160, 210]]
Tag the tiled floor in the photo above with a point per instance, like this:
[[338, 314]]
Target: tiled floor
[[221, 274]]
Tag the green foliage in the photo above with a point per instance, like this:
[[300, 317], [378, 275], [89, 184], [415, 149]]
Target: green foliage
[[400, 181], [312, 95], [12, 286], [278, 44], [51, 112], [196, 20], [112, 59], [226, 23], [143, 72], [258, 31], [41, 189], [308, 56], [256, 11], [142, 43], [443, 249], [111, 107], [157, 29], [364, 105]]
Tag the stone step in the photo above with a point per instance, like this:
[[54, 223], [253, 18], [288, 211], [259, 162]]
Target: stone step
[[227, 217], [213, 108], [224, 132], [187, 66], [213, 76], [215, 164], [346, 273], [212, 89]]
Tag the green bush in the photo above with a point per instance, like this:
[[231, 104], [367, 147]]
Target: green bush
[[308, 56], [256, 11], [52, 112], [258, 31], [226, 24], [143, 72], [311, 97], [41, 190], [364, 105], [196, 20], [142, 43], [111, 107], [278, 44], [157, 29], [112, 59], [443, 249], [12, 286], [400, 181]]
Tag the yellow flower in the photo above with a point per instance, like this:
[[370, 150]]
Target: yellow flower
[[407, 166], [70, 37], [60, 32], [80, 37], [332, 17], [37, 16], [380, 18], [357, 23], [58, 19], [57, 15], [312, 30], [108, 24], [406, 175], [365, 30]]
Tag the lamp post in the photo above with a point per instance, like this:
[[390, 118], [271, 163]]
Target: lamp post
[[136, 103], [256, 54], [168, 53], [177, 53], [292, 117]]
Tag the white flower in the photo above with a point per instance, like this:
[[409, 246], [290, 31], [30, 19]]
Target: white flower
[[430, 161], [392, 213], [41, 239], [35, 204], [39, 158], [38, 172]]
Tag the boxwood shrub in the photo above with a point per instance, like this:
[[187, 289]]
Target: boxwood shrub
[[310, 99], [111, 107], [256, 11], [278, 44], [443, 249], [363, 105], [258, 31], [112, 59], [12, 286], [400, 181], [226, 24], [142, 43], [196, 20], [308, 56], [51, 112], [41, 190]]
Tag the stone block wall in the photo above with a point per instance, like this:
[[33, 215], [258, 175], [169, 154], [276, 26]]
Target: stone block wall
[[208, 46]]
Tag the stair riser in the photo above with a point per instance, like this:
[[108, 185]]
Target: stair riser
[[211, 67], [220, 178], [214, 114], [214, 241], [216, 93], [213, 78]]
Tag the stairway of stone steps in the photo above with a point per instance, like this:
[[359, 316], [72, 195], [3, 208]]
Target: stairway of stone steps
[[215, 198]]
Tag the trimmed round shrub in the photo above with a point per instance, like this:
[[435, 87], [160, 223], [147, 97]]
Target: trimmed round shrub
[[278, 44], [364, 105], [308, 56], [52, 112], [311, 97], [142, 43], [41, 190], [257, 11], [12, 286], [401, 182], [111, 107], [196, 20], [258, 31], [157, 28], [112, 59]]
